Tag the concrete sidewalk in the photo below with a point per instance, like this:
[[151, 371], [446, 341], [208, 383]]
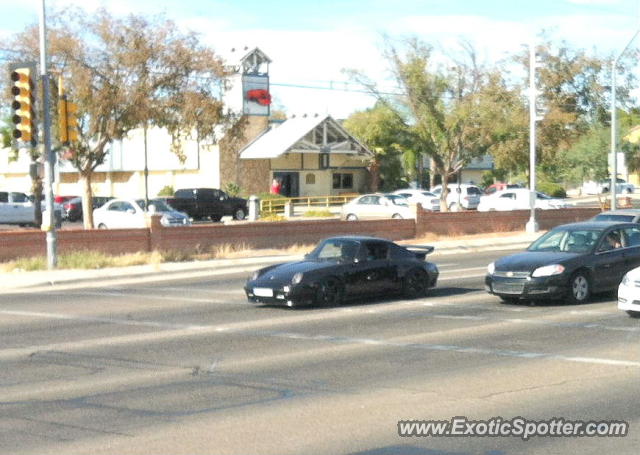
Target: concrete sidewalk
[[20, 281]]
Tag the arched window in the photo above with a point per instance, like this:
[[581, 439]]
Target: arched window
[[310, 179]]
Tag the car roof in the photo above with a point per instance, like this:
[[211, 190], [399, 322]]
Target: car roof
[[595, 225], [633, 212], [358, 238]]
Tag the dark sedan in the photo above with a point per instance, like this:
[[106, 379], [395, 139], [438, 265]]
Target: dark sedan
[[341, 268], [72, 209], [569, 262]]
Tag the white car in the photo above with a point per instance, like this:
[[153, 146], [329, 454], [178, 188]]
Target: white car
[[518, 199], [130, 213], [429, 201], [464, 195], [629, 293], [18, 208], [622, 187], [377, 206]]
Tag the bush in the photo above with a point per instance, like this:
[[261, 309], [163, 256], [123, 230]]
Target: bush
[[166, 191], [232, 189], [552, 189]]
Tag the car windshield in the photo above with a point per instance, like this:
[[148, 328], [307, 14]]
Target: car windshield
[[333, 249], [426, 193], [544, 196], [397, 200], [567, 241], [161, 206]]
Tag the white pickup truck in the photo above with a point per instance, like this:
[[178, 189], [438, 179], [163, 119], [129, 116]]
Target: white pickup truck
[[16, 208]]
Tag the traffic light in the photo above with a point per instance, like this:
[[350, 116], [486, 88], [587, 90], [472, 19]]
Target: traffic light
[[23, 106], [67, 121]]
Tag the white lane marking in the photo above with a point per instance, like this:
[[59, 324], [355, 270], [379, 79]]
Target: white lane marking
[[147, 296], [130, 322], [462, 349], [468, 269]]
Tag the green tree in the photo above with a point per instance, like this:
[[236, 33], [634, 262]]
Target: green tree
[[446, 109], [129, 73], [383, 132]]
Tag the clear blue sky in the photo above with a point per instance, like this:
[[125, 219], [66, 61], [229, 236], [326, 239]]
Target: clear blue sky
[[310, 42]]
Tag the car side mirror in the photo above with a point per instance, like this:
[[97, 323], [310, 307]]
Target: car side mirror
[[131, 211]]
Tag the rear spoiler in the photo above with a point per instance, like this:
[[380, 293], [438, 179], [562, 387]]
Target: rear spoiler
[[420, 251]]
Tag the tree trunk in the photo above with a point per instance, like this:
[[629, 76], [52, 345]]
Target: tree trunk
[[36, 190], [87, 199], [432, 174], [444, 207], [374, 171]]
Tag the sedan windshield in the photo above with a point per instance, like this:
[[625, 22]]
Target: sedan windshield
[[161, 206], [334, 249], [397, 200], [578, 241]]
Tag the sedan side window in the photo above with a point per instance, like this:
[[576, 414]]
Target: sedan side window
[[115, 207], [631, 237], [376, 251], [611, 241]]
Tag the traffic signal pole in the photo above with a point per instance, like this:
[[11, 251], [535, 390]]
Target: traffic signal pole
[[49, 158]]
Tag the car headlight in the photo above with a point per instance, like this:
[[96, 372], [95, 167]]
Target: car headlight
[[548, 270], [491, 268], [296, 278], [625, 280]]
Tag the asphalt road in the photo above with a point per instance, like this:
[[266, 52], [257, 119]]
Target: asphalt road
[[188, 367]]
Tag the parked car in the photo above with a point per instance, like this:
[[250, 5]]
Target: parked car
[[377, 206], [428, 200], [500, 186], [211, 203], [463, 195], [629, 293], [341, 268], [18, 208], [622, 186], [622, 216], [62, 199], [129, 213], [72, 209], [518, 199], [570, 262]]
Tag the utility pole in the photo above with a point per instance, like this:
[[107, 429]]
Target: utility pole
[[614, 126], [49, 158], [532, 225]]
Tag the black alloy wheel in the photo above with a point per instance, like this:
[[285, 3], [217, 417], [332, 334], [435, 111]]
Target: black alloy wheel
[[215, 218], [414, 284], [329, 292]]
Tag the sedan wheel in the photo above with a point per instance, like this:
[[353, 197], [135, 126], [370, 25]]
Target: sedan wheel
[[397, 216], [102, 226], [351, 217], [329, 292], [580, 288], [634, 314], [414, 284]]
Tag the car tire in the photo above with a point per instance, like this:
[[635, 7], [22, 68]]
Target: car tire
[[414, 284], [215, 218], [397, 216], [239, 214], [330, 292], [579, 288], [102, 226], [351, 217], [628, 191], [633, 314]]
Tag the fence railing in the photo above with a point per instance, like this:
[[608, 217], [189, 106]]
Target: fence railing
[[277, 205]]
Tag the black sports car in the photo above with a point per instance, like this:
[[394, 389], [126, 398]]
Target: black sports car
[[345, 267], [571, 261]]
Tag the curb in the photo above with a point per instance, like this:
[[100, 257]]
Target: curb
[[58, 280]]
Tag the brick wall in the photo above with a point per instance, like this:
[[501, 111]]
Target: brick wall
[[26, 243]]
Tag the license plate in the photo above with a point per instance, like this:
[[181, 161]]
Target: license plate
[[263, 292]]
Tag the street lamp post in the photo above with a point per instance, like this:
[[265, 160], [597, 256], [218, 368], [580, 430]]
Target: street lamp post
[[614, 126], [532, 225]]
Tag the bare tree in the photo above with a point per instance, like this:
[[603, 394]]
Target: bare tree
[[129, 73]]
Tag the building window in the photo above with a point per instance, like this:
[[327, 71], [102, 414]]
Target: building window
[[310, 179], [342, 181]]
